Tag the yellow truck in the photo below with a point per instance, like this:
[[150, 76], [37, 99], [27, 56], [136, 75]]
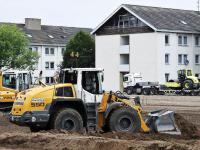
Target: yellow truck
[[79, 102], [12, 82]]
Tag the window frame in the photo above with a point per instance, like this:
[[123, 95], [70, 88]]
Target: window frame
[[182, 40], [167, 38], [196, 60], [67, 86], [196, 41], [168, 62]]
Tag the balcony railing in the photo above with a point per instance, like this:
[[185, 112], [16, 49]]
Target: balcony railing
[[124, 49], [124, 67], [108, 30]]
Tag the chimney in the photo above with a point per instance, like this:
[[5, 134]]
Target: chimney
[[33, 23]]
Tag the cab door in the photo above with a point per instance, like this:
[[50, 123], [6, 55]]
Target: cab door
[[90, 88]]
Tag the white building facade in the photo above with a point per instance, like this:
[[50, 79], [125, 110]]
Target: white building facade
[[155, 42], [49, 42]]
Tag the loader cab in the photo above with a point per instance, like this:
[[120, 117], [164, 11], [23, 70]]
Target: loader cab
[[16, 80], [87, 82], [186, 74]]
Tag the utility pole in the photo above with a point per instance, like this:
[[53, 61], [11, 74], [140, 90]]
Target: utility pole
[[198, 2]]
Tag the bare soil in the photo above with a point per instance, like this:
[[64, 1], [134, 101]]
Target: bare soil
[[187, 118]]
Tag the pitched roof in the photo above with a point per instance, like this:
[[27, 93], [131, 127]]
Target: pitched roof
[[61, 35], [164, 19]]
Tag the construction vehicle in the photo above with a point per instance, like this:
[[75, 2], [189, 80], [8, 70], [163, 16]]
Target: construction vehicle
[[80, 103], [12, 82], [187, 84], [186, 80], [134, 84]]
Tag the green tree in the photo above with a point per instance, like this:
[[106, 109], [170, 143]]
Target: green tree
[[14, 49], [80, 51]]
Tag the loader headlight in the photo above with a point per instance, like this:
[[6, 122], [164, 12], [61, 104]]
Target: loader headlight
[[33, 119]]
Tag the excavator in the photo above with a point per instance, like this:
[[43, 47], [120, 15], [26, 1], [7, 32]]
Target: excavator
[[12, 82], [78, 102]]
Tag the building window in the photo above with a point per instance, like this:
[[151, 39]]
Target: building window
[[52, 65], [196, 59], [179, 59], [52, 51], [166, 58], [183, 59], [47, 51], [166, 39], [49, 80], [166, 77], [197, 41], [124, 59], [49, 65], [179, 40], [63, 50], [182, 40], [33, 49], [185, 40], [124, 40]]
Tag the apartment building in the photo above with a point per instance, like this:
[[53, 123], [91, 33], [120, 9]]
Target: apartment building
[[49, 42], [153, 41]]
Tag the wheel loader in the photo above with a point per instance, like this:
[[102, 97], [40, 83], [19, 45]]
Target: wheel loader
[[12, 82], [79, 102], [186, 80]]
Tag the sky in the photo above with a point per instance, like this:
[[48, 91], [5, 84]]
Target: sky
[[76, 13]]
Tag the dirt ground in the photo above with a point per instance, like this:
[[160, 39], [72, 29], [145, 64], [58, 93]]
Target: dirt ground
[[15, 137]]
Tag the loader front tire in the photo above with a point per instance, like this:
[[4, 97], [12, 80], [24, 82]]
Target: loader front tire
[[68, 119], [124, 120]]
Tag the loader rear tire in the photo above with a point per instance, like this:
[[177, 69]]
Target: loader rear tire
[[124, 120], [68, 119]]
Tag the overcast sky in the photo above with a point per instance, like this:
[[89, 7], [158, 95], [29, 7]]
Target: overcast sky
[[78, 13]]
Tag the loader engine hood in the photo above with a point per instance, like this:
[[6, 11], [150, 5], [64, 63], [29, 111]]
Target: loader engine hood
[[34, 99]]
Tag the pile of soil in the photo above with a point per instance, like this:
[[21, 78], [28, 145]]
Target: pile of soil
[[16, 137], [188, 129]]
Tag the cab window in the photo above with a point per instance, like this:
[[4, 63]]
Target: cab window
[[64, 92], [9, 81], [91, 82]]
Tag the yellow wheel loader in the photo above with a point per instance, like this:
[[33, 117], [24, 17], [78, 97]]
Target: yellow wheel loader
[[79, 102], [186, 80], [12, 82]]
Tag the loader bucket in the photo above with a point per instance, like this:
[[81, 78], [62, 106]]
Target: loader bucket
[[162, 121]]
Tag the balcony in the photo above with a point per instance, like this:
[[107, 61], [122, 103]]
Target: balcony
[[124, 68], [124, 49], [109, 30]]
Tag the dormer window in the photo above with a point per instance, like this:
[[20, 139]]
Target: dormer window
[[183, 22], [50, 36], [29, 35]]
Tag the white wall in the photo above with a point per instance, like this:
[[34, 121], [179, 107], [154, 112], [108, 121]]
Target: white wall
[[143, 56], [107, 57], [173, 49], [147, 56]]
